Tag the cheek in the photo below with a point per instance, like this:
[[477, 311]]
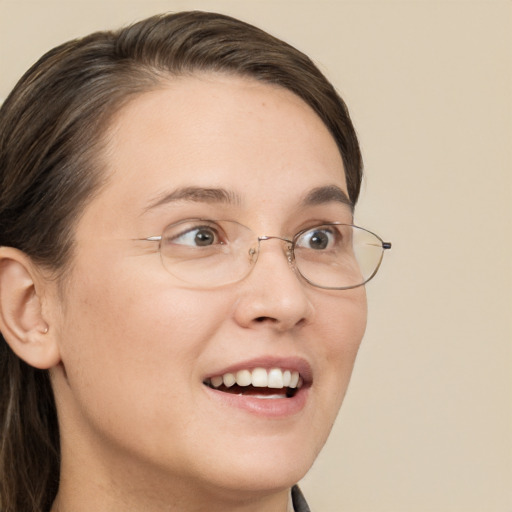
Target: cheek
[[126, 343], [344, 323]]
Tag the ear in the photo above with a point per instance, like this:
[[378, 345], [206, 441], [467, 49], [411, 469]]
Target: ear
[[21, 314]]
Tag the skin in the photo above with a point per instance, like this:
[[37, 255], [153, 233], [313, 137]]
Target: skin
[[139, 429]]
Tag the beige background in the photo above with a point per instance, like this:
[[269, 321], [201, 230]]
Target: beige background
[[427, 423]]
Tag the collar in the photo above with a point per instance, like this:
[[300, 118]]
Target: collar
[[297, 501]]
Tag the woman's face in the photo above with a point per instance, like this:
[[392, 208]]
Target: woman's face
[[137, 344]]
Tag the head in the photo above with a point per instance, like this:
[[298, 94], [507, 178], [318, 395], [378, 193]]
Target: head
[[69, 134]]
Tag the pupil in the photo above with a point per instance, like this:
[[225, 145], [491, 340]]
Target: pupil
[[204, 238], [319, 240]]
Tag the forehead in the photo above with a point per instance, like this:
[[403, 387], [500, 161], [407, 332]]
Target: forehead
[[259, 141]]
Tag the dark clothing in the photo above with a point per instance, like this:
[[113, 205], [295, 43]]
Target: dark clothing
[[299, 502]]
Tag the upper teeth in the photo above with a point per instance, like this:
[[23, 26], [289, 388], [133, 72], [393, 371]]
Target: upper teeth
[[259, 378]]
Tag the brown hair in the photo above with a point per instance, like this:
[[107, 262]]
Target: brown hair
[[51, 129]]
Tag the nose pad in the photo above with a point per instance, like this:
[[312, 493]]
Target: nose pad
[[290, 256], [253, 254]]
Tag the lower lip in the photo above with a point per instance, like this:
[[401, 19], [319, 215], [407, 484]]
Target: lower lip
[[266, 407]]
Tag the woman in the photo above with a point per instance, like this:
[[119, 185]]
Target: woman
[[181, 287]]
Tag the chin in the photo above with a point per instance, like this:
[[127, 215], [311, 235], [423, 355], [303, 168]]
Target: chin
[[263, 464]]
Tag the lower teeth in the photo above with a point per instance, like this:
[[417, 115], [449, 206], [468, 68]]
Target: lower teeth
[[268, 397]]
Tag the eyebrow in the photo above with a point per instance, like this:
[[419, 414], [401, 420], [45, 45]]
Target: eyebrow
[[327, 194], [317, 196], [197, 194]]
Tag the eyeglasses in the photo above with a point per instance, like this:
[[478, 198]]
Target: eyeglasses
[[210, 253]]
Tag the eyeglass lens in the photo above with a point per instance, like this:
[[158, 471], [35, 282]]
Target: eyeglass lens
[[213, 253]]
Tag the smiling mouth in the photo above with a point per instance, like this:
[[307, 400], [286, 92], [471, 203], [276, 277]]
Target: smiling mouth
[[258, 383]]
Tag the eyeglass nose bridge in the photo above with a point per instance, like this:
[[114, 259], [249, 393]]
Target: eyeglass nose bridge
[[254, 252]]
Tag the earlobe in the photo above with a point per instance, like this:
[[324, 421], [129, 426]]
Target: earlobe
[[21, 317]]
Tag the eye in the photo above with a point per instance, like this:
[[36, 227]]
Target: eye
[[200, 237], [319, 239], [191, 235]]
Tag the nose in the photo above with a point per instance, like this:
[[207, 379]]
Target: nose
[[273, 294]]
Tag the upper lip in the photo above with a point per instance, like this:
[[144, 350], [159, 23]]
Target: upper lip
[[298, 364]]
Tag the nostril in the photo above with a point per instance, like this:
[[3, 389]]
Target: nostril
[[262, 319]]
